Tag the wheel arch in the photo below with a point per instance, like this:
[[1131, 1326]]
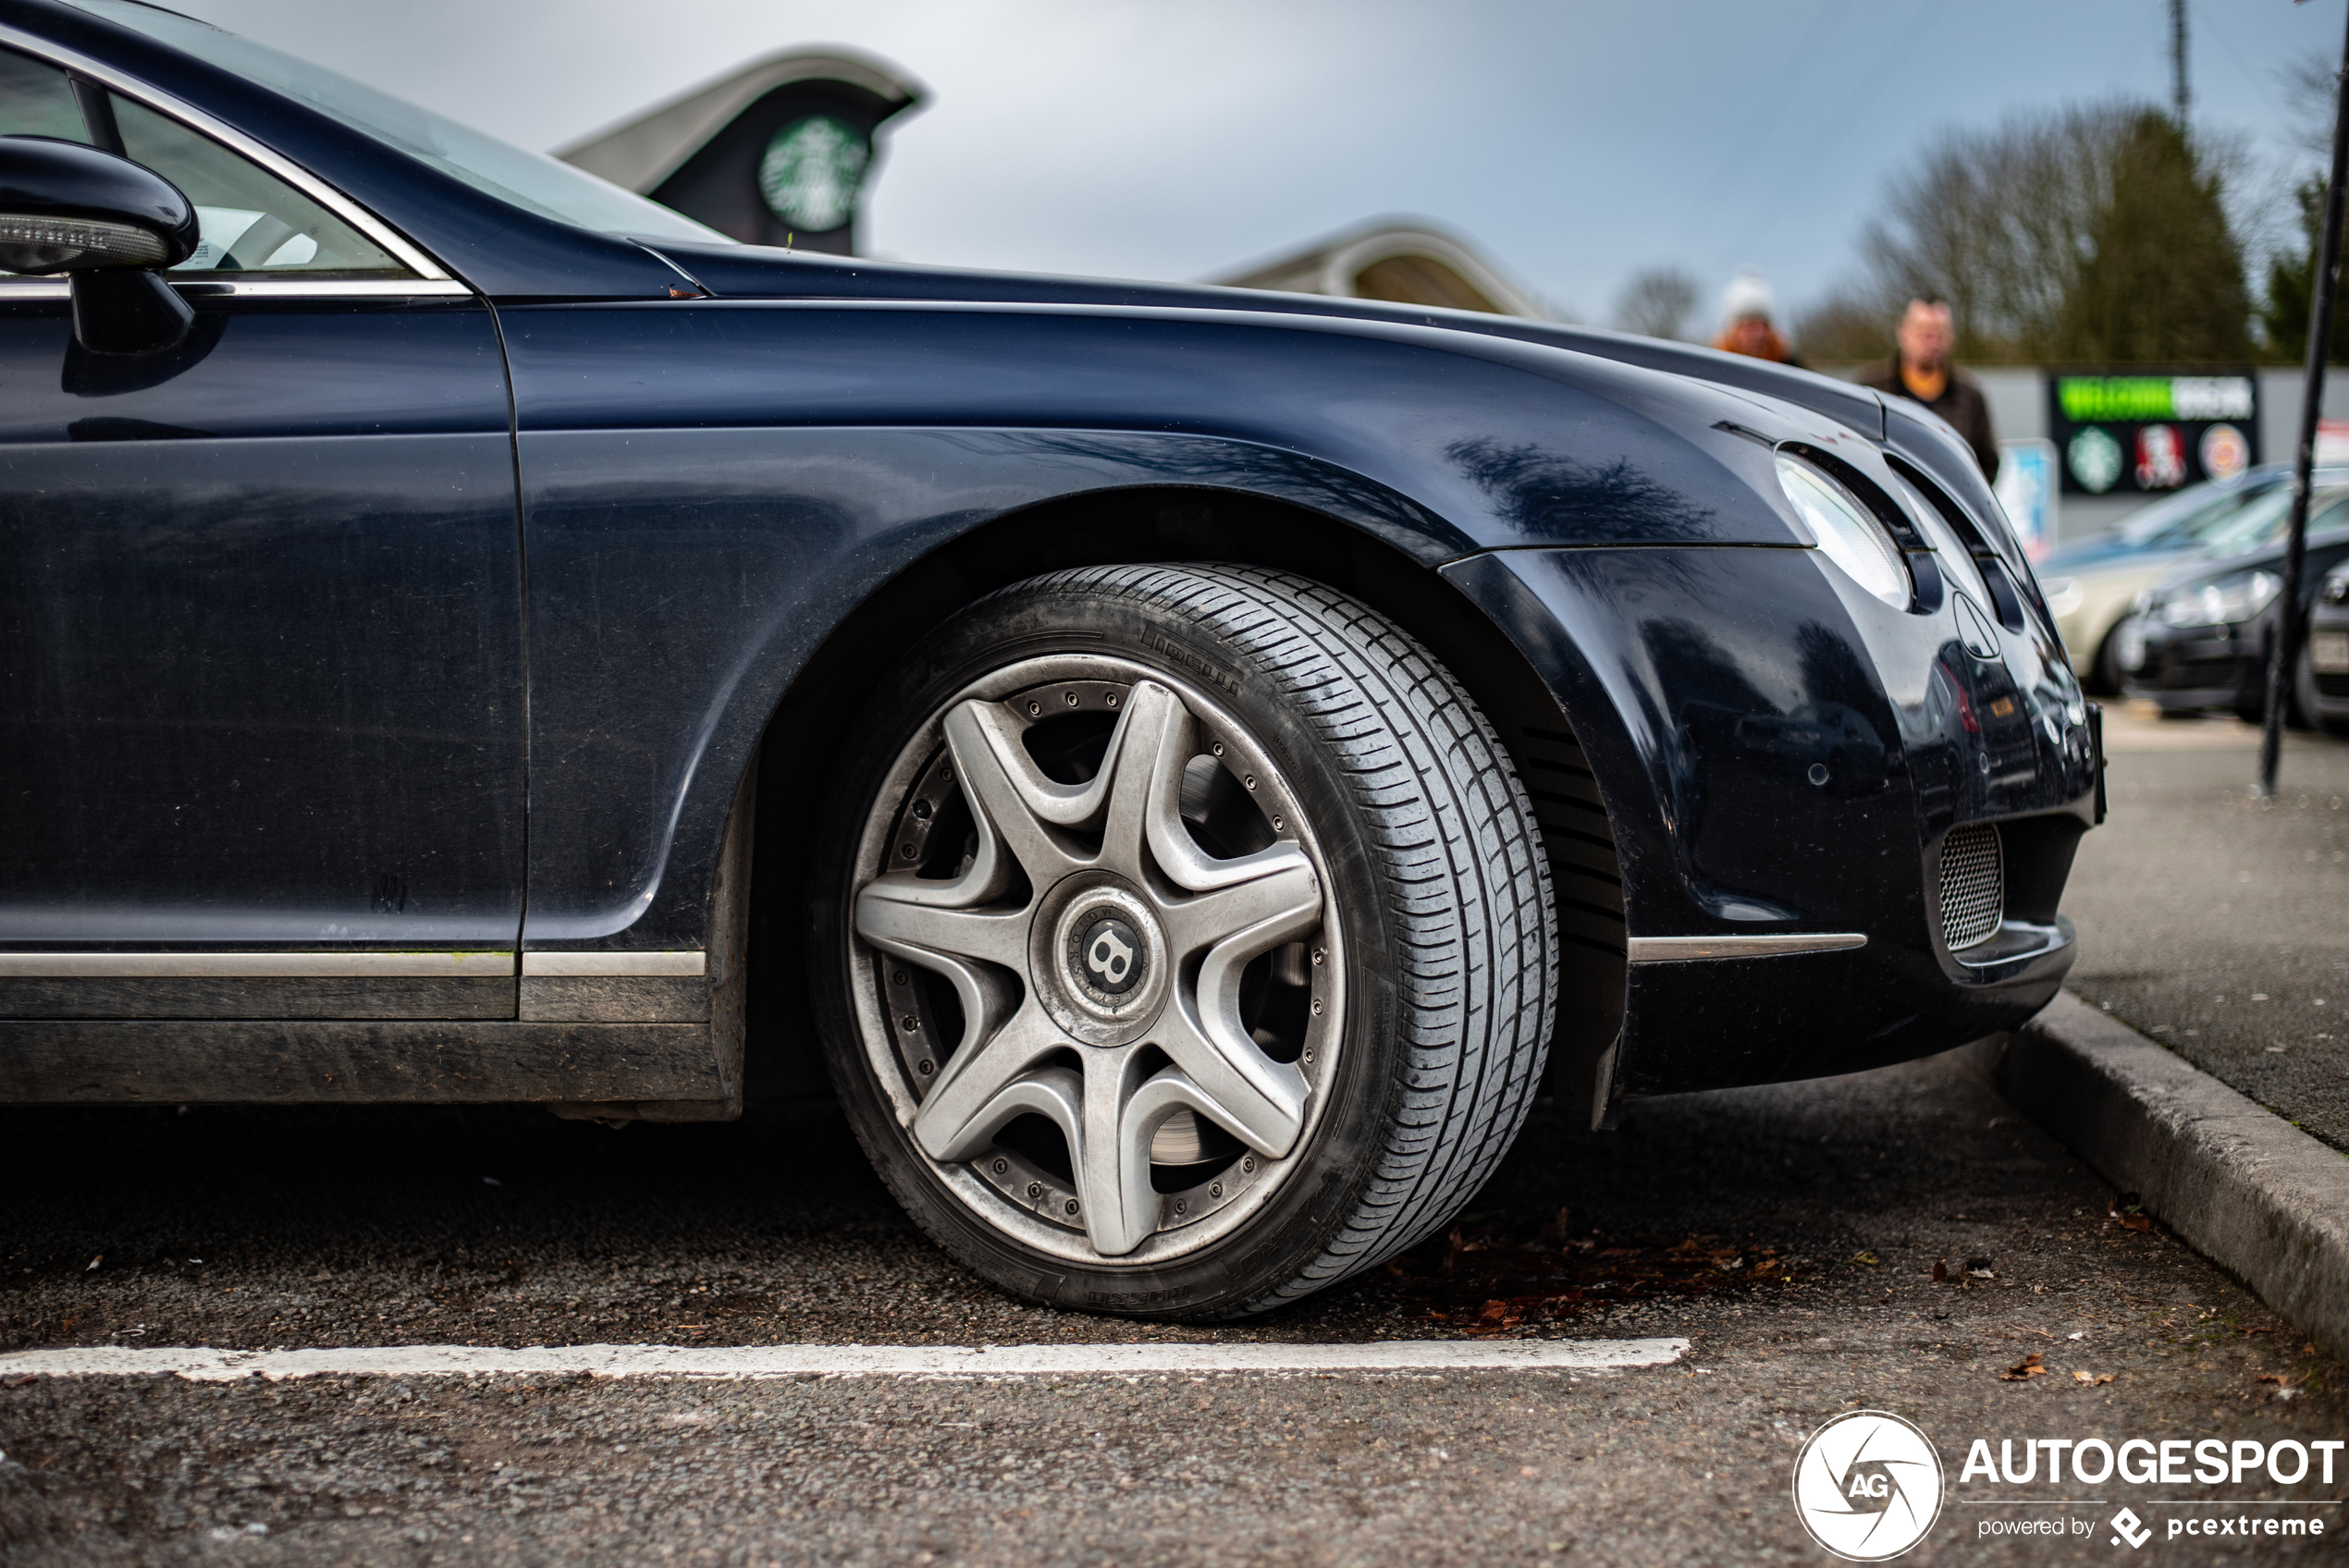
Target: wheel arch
[[1177, 522]]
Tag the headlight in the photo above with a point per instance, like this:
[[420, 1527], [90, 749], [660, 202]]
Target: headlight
[[1847, 532], [2225, 602], [2064, 594]]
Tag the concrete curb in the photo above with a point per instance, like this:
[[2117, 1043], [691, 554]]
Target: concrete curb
[[2238, 1183]]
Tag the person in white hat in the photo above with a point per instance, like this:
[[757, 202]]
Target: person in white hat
[[1747, 309]]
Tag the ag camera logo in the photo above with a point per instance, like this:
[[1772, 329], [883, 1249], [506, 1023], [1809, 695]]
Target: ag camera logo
[[1867, 1485]]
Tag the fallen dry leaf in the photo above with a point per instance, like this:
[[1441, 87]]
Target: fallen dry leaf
[[2024, 1370], [1940, 1271], [1867, 1257], [2280, 1380], [2127, 1216], [2091, 1378], [18, 1379]]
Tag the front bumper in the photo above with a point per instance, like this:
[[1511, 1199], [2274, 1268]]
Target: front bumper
[[1775, 757], [2185, 668]]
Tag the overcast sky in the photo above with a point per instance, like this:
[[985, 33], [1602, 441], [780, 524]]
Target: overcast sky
[[1575, 142]]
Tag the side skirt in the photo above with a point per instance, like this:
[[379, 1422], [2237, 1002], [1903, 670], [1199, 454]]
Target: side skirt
[[150, 1061]]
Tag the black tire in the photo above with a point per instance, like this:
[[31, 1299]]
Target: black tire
[[1435, 883], [2103, 674]]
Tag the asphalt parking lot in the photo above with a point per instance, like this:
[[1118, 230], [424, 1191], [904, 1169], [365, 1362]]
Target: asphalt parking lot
[[2219, 923], [1789, 1233]]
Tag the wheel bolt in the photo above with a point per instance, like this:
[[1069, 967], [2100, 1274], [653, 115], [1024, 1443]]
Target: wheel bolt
[[1002, 1166], [1181, 1208], [1072, 698], [1036, 1188], [921, 809], [1277, 825], [1034, 709], [1249, 780], [1249, 1165], [1317, 1007], [908, 850], [911, 1022], [924, 1067], [1069, 1207], [1217, 748], [1319, 955], [1215, 1189], [898, 978], [1110, 699], [1309, 1055]]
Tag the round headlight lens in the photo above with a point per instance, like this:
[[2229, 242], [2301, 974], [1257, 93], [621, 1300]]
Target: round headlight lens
[[1848, 533]]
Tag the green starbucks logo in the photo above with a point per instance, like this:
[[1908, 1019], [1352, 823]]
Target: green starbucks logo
[[811, 171], [2095, 457]]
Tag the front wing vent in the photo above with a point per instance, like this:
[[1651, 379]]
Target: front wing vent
[[1974, 886]]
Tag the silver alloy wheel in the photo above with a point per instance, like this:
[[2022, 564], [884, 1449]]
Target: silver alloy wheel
[[1069, 949]]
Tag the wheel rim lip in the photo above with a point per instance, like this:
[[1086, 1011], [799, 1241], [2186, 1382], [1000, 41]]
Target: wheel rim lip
[[1000, 1203]]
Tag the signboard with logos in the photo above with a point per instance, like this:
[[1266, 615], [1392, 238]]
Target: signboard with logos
[[2148, 435]]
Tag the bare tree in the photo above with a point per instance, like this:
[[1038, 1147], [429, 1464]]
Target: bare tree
[[2063, 233], [1656, 303]]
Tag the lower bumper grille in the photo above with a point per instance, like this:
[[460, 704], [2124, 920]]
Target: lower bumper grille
[[1974, 886]]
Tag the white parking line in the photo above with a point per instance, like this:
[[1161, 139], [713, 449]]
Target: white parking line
[[202, 1364]]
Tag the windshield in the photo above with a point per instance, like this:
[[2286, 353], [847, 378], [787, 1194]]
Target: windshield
[[2191, 514], [530, 180], [2262, 524]]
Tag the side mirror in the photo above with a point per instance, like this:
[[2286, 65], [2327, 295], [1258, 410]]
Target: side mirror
[[108, 223]]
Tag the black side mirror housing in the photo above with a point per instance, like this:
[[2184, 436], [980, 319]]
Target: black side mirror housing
[[108, 223]]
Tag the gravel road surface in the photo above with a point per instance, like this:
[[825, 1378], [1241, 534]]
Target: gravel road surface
[[1791, 1233]]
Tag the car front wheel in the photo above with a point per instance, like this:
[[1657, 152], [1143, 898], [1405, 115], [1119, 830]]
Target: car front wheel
[[1185, 943]]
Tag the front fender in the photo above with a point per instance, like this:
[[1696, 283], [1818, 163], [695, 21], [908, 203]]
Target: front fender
[[710, 487]]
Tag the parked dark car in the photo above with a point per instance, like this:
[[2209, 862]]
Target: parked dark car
[[2092, 585], [1194, 762], [2200, 638], [2325, 657]]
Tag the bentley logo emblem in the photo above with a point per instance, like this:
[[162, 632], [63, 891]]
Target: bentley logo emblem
[[1113, 952]]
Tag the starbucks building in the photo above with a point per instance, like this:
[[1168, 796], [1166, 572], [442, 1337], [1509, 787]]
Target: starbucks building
[[777, 153]]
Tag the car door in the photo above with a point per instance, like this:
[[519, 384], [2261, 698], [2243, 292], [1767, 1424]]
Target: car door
[[261, 751]]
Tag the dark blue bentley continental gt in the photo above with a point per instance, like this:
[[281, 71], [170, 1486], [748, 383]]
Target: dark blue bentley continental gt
[[1198, 763]]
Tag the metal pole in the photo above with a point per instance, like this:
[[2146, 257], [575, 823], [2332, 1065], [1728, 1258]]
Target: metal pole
[[2284, 650], [2178, 61]]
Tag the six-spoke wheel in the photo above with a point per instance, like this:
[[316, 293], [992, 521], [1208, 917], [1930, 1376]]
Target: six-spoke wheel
[[1186, 939]]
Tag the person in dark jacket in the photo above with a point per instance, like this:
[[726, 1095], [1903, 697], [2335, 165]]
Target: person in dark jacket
[[1921, 373]]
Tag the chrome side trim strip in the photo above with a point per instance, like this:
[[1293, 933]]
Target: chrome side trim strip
[[203, 286], [293, 173], [1682, 949], [636, 965], [470, 966], [294, 286]]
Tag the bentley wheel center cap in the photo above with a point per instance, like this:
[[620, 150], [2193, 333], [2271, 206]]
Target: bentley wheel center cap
[[1099, 960], [1110, 955]]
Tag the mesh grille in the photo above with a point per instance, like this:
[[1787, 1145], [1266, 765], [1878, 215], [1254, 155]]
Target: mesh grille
[[1974, 886]]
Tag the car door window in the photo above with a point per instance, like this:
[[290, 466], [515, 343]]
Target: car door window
[[252, 221], [37, 100]]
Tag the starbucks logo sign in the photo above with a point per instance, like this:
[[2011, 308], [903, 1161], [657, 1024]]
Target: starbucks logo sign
[[810, 173], [2096, 460]]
